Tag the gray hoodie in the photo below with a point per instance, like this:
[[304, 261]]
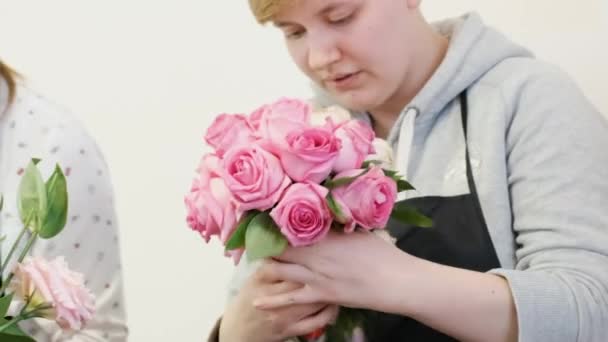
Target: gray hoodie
[[538, 153], [537, 149]]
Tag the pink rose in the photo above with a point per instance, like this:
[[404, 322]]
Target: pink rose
[[70, 303], [302, 214], [228, 130], [309, 154], [254, 176], [209, 166], [357, 138], [368, 201], [273, 121], [210, 205], [255, 118]]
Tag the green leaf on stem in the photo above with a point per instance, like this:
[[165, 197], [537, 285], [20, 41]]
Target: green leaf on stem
[[237, 239], [347, 321], [31, 198], [263, 238], [408, 215], [392, 174], [13, 333], [57, 205], [5, 302], [338, 182], [369, 163], [334, 208], [403, 185]]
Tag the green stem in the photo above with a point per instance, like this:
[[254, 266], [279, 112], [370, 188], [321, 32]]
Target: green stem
[[34, 312], [15, 244], [24, 252], [23, 316], [12, 322]]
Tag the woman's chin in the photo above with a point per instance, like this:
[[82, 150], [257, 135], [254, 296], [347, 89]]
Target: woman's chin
[[358, 101]]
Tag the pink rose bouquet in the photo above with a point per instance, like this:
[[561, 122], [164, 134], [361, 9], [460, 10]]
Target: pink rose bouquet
[[287, 174]]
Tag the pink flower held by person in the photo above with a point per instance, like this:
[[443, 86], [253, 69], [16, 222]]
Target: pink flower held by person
[[357, 138], [309, 154], [273, 121], [368, 201], [70, 303], [302, 214], [228, 130], [254, 177], [210, 206]]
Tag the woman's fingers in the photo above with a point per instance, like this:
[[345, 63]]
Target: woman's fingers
[[314, 322], [274, 271], [281, 287], [297, 255], [303, 295]]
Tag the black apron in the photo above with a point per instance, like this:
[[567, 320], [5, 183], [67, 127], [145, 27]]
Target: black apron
[[458, 238]]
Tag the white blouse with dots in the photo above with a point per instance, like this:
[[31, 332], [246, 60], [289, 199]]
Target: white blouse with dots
[[34, 127]]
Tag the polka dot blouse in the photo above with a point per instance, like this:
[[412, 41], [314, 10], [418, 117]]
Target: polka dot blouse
[[35, 127]]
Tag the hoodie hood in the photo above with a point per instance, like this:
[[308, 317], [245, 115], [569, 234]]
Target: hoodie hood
[[474, 49]]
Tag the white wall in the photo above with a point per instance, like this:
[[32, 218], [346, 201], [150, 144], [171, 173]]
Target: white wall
[[147, 77]]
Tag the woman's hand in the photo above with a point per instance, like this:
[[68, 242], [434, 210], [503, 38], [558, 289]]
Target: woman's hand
[[361, 270], [243, 322], [350, 270]]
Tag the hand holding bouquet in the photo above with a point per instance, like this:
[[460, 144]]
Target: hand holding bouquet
[[287, 175]]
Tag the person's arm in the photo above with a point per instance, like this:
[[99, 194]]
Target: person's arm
[[558, 179], [558, 291], [467, 305]]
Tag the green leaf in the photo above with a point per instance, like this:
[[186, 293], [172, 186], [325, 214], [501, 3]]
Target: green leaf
[[369, 163], [263, 238], [237, 240], [403, 185], [335, 208], [338, 182], [31, 198], [5, 302], [347, 321], [409, 215], [13, 333], [392, 174], [57, 205]]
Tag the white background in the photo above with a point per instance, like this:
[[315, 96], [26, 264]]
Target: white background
[[148, 76]]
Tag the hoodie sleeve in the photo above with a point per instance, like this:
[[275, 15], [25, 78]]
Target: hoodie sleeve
[[558, 179]]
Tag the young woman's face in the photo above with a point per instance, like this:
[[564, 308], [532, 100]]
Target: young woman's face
[[357, 50]]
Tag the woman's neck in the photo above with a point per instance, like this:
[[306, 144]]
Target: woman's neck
[[431, 51]]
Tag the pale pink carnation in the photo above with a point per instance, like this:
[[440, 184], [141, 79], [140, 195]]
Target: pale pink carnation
[[52, 283]]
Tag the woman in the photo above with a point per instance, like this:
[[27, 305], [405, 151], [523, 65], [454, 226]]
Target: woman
[[508, 158], [33, 127]]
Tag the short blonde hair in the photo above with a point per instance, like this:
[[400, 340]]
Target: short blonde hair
[[265, 10]]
